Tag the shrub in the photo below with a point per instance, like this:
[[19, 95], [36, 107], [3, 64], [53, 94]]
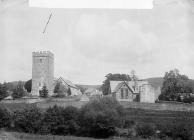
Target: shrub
[[99, 118], [176, 130], [44, 92], [19, 91], [187, 100], [61, 121], [182, 131], [5, 118], [145, 131], [28, 120]]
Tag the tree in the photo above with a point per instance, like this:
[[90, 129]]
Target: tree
[[61, 121], [114, 77], [133, 75], [28, 120], [57, 87], [59, 90], [3, 91], [174, 85], [44, 92], [69, 91], [28, 85], [19, 91], [99, 118], [5, 118], [82, 89]]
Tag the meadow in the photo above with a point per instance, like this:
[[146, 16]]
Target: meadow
[[24, 136], [139, 115], [135, 111]]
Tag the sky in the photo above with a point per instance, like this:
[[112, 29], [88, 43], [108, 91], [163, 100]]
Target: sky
[[90, 43]]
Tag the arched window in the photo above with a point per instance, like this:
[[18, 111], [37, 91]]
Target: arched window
[[126, 94], [122, 94]]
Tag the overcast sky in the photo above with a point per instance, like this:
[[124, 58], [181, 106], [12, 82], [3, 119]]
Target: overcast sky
[[88, 44]]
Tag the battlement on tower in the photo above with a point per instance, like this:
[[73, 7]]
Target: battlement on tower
[[43, 54]]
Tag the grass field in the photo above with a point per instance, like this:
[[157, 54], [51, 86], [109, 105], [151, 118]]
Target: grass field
[[136, 114], [142, 116], [24, 136]]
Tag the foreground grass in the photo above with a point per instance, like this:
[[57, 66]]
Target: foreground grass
[[25, 136], [136, 114]]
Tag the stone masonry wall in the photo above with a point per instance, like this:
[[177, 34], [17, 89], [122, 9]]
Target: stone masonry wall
[[42, 71]]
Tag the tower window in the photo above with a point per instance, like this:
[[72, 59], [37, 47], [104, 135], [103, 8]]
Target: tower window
[[41, 60]]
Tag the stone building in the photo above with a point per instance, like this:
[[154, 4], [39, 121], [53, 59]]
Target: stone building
[[67, 86], [42, 72], [133, 91], [93, 92]]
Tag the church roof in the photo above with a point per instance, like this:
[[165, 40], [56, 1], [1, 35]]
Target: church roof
[[67, 82], [116, 85], [121, 84]]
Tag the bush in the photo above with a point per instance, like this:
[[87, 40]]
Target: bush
[[5, 118], [176, 130], [19, 91], [44, 92], [99, 118], [145, 131], [28, 120], [182, 131], [61, 121], [187, 100]]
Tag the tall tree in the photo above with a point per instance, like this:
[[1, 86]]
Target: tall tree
[[28, 85], [59, 90], [174, 85], [69, 91], [57, 87], [113, 77], [3, 91], [19, 91]]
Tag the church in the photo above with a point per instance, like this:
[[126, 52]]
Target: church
[[43, 75]]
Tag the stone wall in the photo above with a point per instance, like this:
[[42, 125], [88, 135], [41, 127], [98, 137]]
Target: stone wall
[[147, 94]]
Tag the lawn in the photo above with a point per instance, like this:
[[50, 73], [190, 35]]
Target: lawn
[[24, 136]]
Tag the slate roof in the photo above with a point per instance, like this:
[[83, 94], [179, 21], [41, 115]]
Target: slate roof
[[67, 82], [116, 85]]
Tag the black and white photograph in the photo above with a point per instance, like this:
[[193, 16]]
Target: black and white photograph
[[97, 70]]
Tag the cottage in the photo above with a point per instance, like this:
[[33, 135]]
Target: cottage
[[133, 91]]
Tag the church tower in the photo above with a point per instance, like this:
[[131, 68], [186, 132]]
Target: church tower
[[42, 72]]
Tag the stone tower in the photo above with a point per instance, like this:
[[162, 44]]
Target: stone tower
[[42, 72]]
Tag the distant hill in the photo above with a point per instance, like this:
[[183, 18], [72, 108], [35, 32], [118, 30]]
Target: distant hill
[[12, 85], [155, 81], [88, 86]]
